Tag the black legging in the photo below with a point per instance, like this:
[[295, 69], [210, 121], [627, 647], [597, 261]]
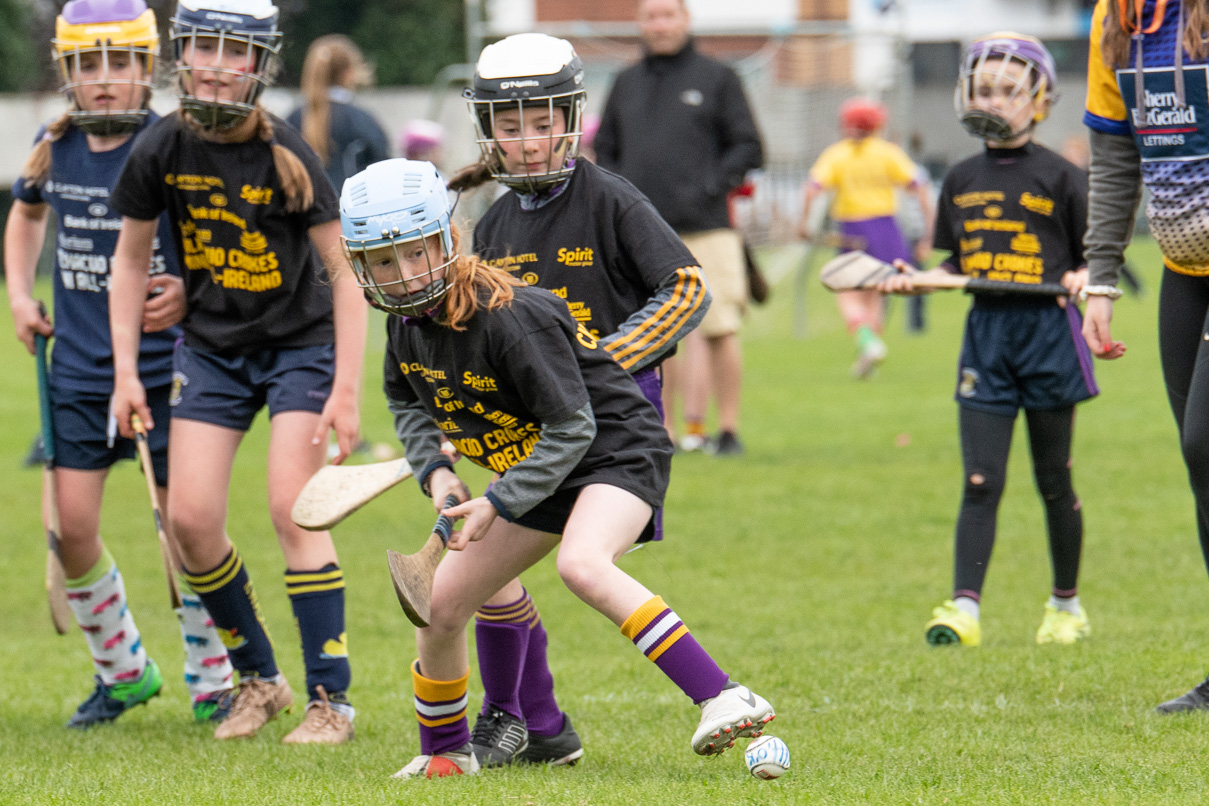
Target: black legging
[[985, 442], [1183, 304]]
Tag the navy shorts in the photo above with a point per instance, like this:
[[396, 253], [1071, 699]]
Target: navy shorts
[[228, 391], [1023, 353], [81, 422], [552, 514]]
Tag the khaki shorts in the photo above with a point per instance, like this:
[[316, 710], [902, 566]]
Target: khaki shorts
[[720, 254]]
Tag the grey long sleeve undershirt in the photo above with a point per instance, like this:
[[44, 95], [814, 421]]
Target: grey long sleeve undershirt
[[1114, 191], [561, 447], [527, 483], [421, 440]]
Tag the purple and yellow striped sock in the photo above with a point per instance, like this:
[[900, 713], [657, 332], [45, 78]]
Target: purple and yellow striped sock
[[663, 638], [501, 635], [441, 712]]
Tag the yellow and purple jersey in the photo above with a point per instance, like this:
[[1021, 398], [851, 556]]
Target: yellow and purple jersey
[[864, 174], [1168, 117]]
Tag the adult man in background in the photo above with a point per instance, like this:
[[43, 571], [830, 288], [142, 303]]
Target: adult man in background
[[677, 124]]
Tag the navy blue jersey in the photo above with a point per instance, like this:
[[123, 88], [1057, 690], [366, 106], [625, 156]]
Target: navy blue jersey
[[254, 280], [78, 191]]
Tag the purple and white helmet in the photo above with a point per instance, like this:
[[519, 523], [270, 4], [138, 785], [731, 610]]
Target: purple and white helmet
[[991, 85]]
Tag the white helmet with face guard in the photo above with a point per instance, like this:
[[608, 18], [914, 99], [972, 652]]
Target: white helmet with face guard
[[532, 74], [202, 32], [396, 230], [95, 32]]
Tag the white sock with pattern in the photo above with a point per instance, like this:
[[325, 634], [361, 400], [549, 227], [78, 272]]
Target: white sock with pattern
[[98, 600], [207, 667]]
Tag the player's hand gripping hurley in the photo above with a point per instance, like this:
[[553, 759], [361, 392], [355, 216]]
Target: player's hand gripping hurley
[[56, 589], [140, 438], [413, 573]]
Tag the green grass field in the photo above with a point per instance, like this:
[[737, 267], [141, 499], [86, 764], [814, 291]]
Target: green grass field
[[808, 569]]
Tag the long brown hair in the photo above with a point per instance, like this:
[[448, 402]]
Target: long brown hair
[[332, 60], [470, 177], [37, 164], [295, 181], [473, 286], [1115, 43]]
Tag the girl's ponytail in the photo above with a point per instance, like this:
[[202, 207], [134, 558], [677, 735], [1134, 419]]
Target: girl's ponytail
[[295, 181], [37, 164]]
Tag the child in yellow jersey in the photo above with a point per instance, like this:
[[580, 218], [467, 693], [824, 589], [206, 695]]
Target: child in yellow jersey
[[863, 171]]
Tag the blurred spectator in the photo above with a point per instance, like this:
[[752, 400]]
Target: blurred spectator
[[863, 171], [423, 140], [678, 125], [346, 138]]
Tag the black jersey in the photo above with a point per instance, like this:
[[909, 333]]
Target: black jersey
[[1013, 215], [490, 387], [252, 276], [603, 248]]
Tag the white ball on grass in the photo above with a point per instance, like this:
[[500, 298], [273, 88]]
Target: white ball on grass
[[767, 757]]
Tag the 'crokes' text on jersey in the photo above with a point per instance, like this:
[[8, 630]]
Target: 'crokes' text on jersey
[[252, 276], [1013, 215]]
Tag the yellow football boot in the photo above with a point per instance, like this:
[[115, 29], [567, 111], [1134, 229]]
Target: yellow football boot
[[1061, 627], [952, 625]]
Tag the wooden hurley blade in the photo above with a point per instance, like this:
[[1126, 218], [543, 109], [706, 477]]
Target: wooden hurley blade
[[412, 576], [336, 491], [854, 271]]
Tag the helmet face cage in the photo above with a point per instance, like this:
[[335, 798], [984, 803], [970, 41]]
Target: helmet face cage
[[986, 74], [262, 46], [562, 149], [79, 40], [391, 295], [387, 211]]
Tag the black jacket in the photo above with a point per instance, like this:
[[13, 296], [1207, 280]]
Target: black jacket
[[679, 127]]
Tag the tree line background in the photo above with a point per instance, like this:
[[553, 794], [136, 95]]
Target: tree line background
[[408, 41]]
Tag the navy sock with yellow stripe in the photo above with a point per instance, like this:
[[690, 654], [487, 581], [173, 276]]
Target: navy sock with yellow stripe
[[318, 601], [227, 594]]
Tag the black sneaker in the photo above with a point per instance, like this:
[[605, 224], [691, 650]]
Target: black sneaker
[[562, 748], [498, 738], [726, 444], [107, 703], [1195, 700]]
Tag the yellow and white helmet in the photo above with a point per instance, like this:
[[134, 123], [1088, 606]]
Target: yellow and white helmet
[[106, 27]]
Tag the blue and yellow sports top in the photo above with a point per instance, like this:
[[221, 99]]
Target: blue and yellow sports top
[[1168, 117]]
